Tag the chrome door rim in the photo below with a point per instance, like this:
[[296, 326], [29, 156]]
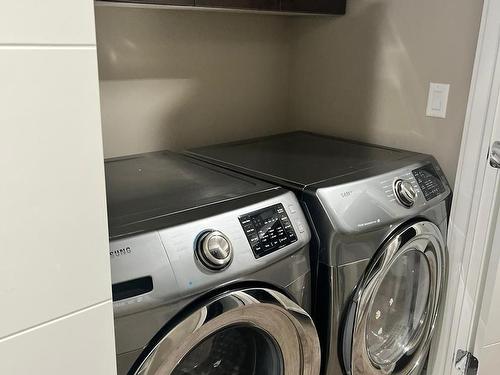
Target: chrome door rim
[[290, 327], [423, 234]]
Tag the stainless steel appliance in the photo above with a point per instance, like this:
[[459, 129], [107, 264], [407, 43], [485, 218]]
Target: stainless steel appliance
[[210, 271], [379, 218]]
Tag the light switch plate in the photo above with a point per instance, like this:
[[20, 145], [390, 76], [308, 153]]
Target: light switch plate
[[437, 100]]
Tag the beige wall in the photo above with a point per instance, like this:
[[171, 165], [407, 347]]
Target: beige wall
[[174, 79], [179, 78], [366, 75]]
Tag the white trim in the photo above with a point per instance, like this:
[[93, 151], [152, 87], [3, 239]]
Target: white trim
[[474, 207]]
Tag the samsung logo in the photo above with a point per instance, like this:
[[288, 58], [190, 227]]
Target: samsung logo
[[346, 194], [120, 252]]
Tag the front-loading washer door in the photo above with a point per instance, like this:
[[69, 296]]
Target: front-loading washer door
[[255, 331], [389, 324]]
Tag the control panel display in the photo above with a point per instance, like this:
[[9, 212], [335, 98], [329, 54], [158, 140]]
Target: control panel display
[[429, 181], [268, 230]]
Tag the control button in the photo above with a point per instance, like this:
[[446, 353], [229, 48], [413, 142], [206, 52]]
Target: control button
[[214, 250], [301, 227], [249, 231], [245, 221], [253, 239], [405, 193]]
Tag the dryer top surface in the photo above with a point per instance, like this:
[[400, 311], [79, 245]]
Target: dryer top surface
[[144, 187], [299, 159]]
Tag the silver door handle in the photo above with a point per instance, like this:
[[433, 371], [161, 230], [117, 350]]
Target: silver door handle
[[495, 155]]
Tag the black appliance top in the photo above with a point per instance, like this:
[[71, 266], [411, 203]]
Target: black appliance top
[[298, 159], [160, 189]]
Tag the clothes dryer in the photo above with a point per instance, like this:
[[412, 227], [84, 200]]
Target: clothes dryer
[[379, 217]]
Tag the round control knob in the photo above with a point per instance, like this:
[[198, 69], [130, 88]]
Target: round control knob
[[405, 193], [214, 250]]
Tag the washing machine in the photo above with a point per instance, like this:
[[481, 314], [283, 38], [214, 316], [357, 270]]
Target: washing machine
[[210, 271], [379, 220]]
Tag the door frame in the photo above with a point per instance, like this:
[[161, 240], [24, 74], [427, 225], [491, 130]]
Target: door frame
[[475, 209]]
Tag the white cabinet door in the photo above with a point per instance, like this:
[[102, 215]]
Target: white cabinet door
[[47, 22], [75, 345], [53, 232]]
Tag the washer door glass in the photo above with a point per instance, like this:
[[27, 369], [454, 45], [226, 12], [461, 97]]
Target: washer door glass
[[391, 318], [255, 331], [242, 350], [398, 309]]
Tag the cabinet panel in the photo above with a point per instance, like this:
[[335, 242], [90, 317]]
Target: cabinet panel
[[155, 2], [241, 4], [80, 344], [314, 6], [53, 232], [47, 22], [301, 6]]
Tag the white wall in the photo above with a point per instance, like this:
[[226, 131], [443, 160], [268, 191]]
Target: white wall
[[56, 314], [175, 79], [366, 75]]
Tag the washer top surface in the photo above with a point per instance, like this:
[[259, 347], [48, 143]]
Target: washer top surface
[[299, 158], [145, 190]]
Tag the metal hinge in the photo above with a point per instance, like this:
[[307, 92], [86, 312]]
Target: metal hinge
[[495, 154], [466, 363]]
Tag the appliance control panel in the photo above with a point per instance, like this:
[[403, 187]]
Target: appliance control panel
[[176, 262], [394, 186], [379, 200], [429, 181], [268, 229]]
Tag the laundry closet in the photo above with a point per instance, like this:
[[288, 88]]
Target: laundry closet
[[179, 78], [84, 82]]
